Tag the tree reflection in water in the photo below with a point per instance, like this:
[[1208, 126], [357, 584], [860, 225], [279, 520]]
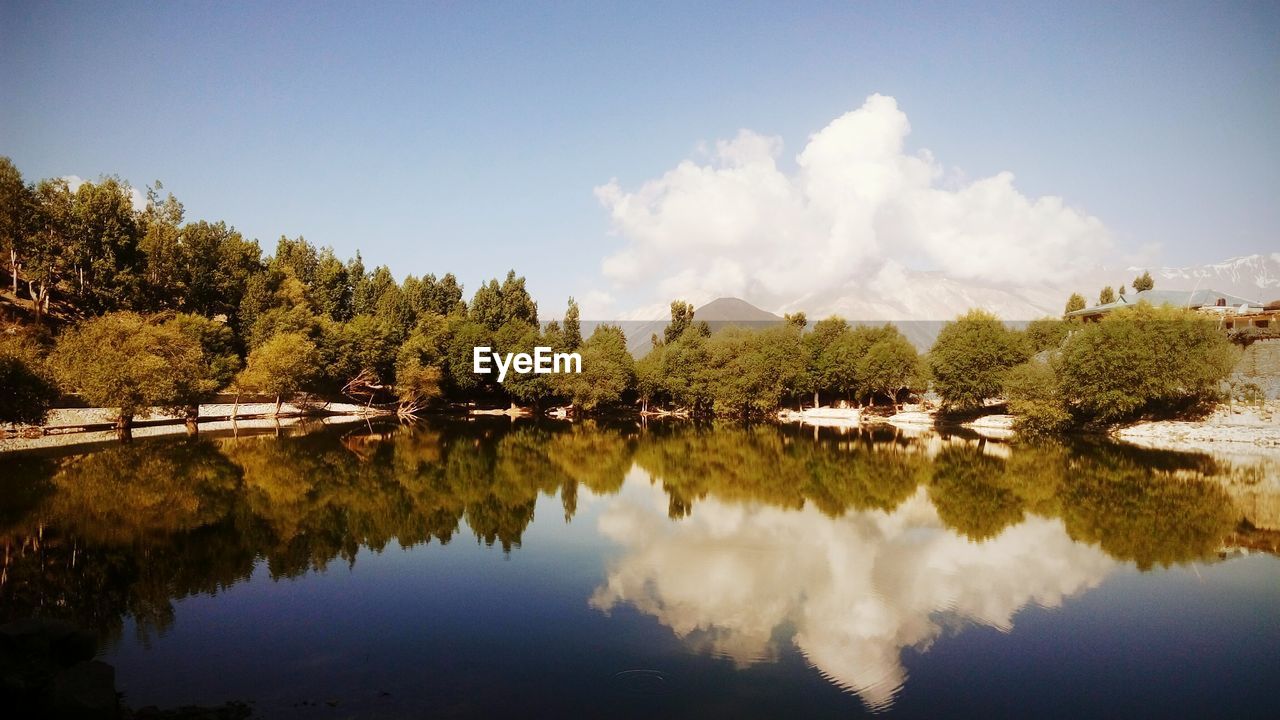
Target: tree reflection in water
[[855, 541]]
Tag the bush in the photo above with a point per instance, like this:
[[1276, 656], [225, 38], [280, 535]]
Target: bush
[[969, 359], [1035, 399], [1144, 358], [121, 360], [27, 388]]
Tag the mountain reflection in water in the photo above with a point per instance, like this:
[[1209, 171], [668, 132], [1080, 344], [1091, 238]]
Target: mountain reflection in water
[[741, 540]]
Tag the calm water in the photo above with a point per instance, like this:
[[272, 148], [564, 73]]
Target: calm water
[[485, 570]]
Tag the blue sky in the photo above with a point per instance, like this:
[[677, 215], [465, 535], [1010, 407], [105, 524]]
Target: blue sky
[[470, 137]]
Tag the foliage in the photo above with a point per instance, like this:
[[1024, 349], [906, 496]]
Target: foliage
[[608, 370], [1107, 296], [283, 365], [1075, 302], [122, 360], [1143, 282], [1045, 334], [1143, 358], [890, 366], [1036, 399], [970, 358], [27, 388]]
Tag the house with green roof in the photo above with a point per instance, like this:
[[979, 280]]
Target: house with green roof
[[1208, 301]]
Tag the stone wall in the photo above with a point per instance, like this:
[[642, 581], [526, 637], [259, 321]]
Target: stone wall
[[1260, 364]]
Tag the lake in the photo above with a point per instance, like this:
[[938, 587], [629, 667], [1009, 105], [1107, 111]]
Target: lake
[[484, 569]]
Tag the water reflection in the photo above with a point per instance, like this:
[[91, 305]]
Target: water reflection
[[854, 590], [741, 540]]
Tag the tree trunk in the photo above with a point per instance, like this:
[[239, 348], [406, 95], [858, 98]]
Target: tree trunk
[[816, 402], [124, 426], [13, 268], [278, 402], [192, 419]]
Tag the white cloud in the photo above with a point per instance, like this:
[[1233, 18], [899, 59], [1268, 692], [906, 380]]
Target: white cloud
[[856, 589], [741, 224], [136, 197]]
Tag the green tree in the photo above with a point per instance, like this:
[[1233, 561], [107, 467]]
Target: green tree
[[890, 367], [282, 366], [1045, 334], [219, 361], [824, 333], [1144, 282], [572, 328], [1107, 296], [1144, 358], [970, 357], [1036, 399], [1075, 302], [681, 320], [27, 388], [219, 270], [608, 370], [17, 212], [120, 360]]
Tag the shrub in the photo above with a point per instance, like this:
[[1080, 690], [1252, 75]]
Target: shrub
[[27, 389], [1035, 399], [121, 360], [969, 359], [1144, 358]]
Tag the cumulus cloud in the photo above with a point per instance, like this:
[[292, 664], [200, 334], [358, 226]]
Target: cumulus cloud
[[856, 589], [740, 223]]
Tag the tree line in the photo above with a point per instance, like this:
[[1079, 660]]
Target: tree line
[[141, 309]]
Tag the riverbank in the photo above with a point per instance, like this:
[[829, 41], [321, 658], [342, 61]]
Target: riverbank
[[1228, 426]]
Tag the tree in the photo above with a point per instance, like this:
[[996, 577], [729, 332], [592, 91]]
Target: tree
[[649, 379], [106, 264], [796, 320], [283, 365], [890, 366], [1045, 334], [331, 290], [681, 320], [1144, 282], [969, 359], [1121, 292], [162, 249], [219, 269], [27, 388], [1144, 358], [49, 243], [120, 360], [572, 328], [1036, 400], [17, 209], [1107, 296], [219, 360], [824, 333], [421, 363], [608, 370], [1075, 302]]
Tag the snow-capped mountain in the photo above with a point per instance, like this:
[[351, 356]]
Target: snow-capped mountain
[[1255, 277]]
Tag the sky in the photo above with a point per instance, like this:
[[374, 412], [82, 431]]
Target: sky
[[627, 152]]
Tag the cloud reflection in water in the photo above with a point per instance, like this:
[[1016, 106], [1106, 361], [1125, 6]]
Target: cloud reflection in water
[[857, 589]]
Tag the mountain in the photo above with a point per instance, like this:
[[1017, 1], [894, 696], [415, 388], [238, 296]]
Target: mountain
[[733, 310], [1254, 277], [718, 313]]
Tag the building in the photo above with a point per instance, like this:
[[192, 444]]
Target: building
[[1235, 312]]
